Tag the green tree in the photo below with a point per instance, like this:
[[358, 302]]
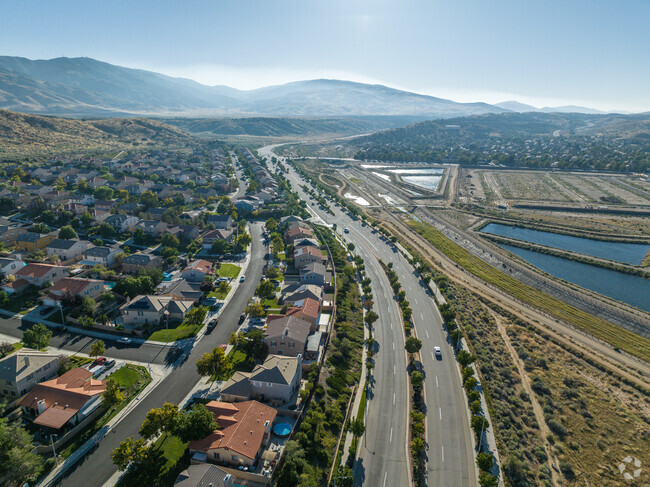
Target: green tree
[[97, 348], [130, 451], [159, 420], [214, 363], [139, 237], [196, 315], [357, 427], [277, 245], [104, 193], [148, 199], [40, 228], [37, 337], [265, 290], [195, 424], [17, 462], [88, 306], [479, 424], [220, 247], [271, 225], [170, 240], [4, 299], [465, 358], [484, 461], [67, 233], [413, 345], [256, 310], [487, 480], [112, 394]]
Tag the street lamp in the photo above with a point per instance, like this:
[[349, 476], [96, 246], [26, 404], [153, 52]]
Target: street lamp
[[166, 315], [52, 435]]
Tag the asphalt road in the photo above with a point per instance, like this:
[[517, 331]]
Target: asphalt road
[[80, 343], [96, 468], [450, 459]]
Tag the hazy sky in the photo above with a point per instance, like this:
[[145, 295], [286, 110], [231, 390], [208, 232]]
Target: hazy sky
[[543, 52]]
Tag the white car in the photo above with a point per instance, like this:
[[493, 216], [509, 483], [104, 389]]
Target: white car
[[124, 340], [437, 351]]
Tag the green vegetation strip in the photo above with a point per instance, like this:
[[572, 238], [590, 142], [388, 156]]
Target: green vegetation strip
[[229, 270], [615, 335]]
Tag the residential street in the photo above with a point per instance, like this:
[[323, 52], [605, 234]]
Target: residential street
[[96, 468]]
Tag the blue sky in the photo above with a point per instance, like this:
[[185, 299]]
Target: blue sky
[[594, 53]]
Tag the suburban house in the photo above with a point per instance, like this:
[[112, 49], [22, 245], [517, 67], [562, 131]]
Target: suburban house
[[9, 234], [122, 223], [287, 336], [297, 292], [220, 222], [154, 228], [67, 399], [181, 289], [15, 287], [67, 249], [31, 241], [133, 263], [247, 204], [150, 310], [211, 236], [22, 370], [75, 287], [98, 216], [305, 242], [198, 270], [204, 475], [245, 427], [10, 266], [307, 255], [40, 274], [296, 232], [104, 256], [306, 309], [315, 273], [276, 380]]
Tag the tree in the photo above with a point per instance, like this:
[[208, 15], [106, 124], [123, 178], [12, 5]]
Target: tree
[[130, 451], [256, 310], [271, 225], [195, 316], [487, 480], [4, 299], [64, 364], [17, 462], [195, 424], [104, 193], [484, 461], [357, 428], [413, 345], [139, 237], [40, 228], [88, 306], [479, 424], [219, 247], [148, 199], [37, 337], [85, 218], [214, 363], [170, 240], [277, 245], [97, 348], [67, 233], [417, 379], [159, 420], [465, 358], [112, 394], [265, 290]]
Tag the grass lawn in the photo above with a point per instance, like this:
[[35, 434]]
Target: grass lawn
[[271, 303], [169, 456], [239, 362], [125, 376], [26, 300], [176, 332], [229, 270]]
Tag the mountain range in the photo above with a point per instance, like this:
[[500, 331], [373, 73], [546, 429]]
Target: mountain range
[[91, 88]]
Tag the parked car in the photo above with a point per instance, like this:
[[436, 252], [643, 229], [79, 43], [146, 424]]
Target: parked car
[[346, 230], [109, 364], [242, 278], [99, 361], [212, 324], [242, 317], [124, 340]]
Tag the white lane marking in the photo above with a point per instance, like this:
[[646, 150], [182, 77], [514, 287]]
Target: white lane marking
[[393, 345], [393, 398], [432, 357], [427, 333], [394, 370], [385, 478], [391, 325], [390, 440], [422, 316], [437, 381], [440, 413], [443, 454]]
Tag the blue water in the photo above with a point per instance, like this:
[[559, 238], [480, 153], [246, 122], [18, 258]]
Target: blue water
[[426, 182], [633, 290], [620, 252], [282, 429]]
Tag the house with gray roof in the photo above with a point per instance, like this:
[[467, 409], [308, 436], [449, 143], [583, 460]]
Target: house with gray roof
[[22, 370], [204, 475]]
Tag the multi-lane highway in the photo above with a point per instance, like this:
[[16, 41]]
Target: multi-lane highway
[[450, 459], [96, 468]]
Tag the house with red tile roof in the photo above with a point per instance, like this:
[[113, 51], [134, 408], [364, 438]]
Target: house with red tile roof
[[306, 309], [40, 274], [15, 287], [68, 399], [245, 427], [71, 286], [297, 232], [198, 270]]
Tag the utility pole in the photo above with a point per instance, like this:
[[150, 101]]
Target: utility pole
[[53, 449]]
